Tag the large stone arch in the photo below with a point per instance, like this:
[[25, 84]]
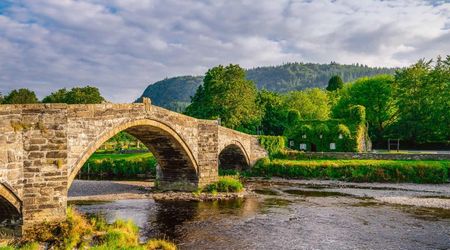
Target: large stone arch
[[178, 165], [10, 204], [234, 156]]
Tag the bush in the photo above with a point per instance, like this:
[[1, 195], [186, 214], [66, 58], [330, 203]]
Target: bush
[[225, 184], [356, 170]]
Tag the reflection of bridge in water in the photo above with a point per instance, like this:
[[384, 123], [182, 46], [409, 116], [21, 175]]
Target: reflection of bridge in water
[[43, 146]]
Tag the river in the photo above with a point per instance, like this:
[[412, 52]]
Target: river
[[286, 216]]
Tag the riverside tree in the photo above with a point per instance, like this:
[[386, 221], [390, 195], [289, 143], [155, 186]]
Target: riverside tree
[[228, 95]]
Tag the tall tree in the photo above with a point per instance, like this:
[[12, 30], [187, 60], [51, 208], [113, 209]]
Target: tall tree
[[335, 83], [423, 94], [77, 95], [228, 95], [274, 115], [376, 95], [20, 96]]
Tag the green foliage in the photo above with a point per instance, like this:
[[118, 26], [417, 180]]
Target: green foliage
[[273, 144], [20, 96], [77, 232], [356, 170], [227, 95], [174, 93], [83, 95], [422, 95], [273, 120], [335, 83], [344, 134], [120, 165], [310, 103], [376, 95], [225, 184]]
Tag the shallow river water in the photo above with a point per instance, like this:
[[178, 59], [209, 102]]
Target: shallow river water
[[284, 217]]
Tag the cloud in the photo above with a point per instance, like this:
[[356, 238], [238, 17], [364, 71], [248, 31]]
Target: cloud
[[121, 46]]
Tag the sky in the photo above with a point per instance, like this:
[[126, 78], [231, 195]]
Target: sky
[[121, 46]]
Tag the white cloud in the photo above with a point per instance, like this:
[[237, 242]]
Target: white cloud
[[121, 46]]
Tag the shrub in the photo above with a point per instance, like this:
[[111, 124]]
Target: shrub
[[225, 184], [273, 144]]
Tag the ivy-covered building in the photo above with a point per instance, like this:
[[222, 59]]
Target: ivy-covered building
[[333, 135]]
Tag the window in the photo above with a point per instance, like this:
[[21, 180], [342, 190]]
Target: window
[[291, 143], [341, 136], [333, 146], [320, 136], [303, 146], [303, 136]]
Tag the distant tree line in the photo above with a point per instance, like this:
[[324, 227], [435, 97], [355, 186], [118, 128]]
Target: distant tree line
[[77, 95]]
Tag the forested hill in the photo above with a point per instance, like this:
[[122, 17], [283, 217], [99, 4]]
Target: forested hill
[[174, 93]]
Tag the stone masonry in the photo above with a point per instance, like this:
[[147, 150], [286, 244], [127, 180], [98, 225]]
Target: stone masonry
[[43, 146]]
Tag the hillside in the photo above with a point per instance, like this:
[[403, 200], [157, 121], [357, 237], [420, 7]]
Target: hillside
[[174, 93]]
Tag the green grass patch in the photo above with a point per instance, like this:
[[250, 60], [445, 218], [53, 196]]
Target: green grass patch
[[225, 184], [356, 170], [120, 165]]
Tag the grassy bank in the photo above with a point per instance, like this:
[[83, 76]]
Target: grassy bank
[[120, 165], [355, 170], [78, 232]]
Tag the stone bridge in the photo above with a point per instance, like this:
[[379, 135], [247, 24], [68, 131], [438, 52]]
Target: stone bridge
[[43, 146]]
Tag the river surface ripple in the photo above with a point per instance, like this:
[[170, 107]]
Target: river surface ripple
[[284, 217]]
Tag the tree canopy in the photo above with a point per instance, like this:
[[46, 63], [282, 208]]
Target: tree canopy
[[77, 95], [335, 83], [20, 96], [376, 95], [228, 95]]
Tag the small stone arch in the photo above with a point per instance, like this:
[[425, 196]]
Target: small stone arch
[[10, 204], [174, 156], [234, 156]]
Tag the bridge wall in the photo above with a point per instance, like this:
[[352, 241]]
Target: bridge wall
[[43, 146]]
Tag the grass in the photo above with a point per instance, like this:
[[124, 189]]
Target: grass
[[78, 232], [356, 170], [116, 156], [225, 184]]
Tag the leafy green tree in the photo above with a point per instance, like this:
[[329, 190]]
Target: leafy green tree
[[335, 83], [77, 95], [56, 97], [273, 121], [228, 95], [376, 95], [20, 96], [312, 104], [423, 94]]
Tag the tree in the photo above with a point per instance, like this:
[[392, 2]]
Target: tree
[[273, 121], [376, 95], [423, 94], [335, 83], [312, 104], [20, 96], [228, 95], [77, 95]]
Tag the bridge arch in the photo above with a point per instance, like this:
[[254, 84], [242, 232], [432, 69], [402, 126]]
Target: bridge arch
[[175, 158], [10, 204], [234, 156]]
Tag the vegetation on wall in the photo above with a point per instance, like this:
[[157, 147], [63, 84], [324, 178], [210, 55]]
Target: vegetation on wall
[[273, 144]]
